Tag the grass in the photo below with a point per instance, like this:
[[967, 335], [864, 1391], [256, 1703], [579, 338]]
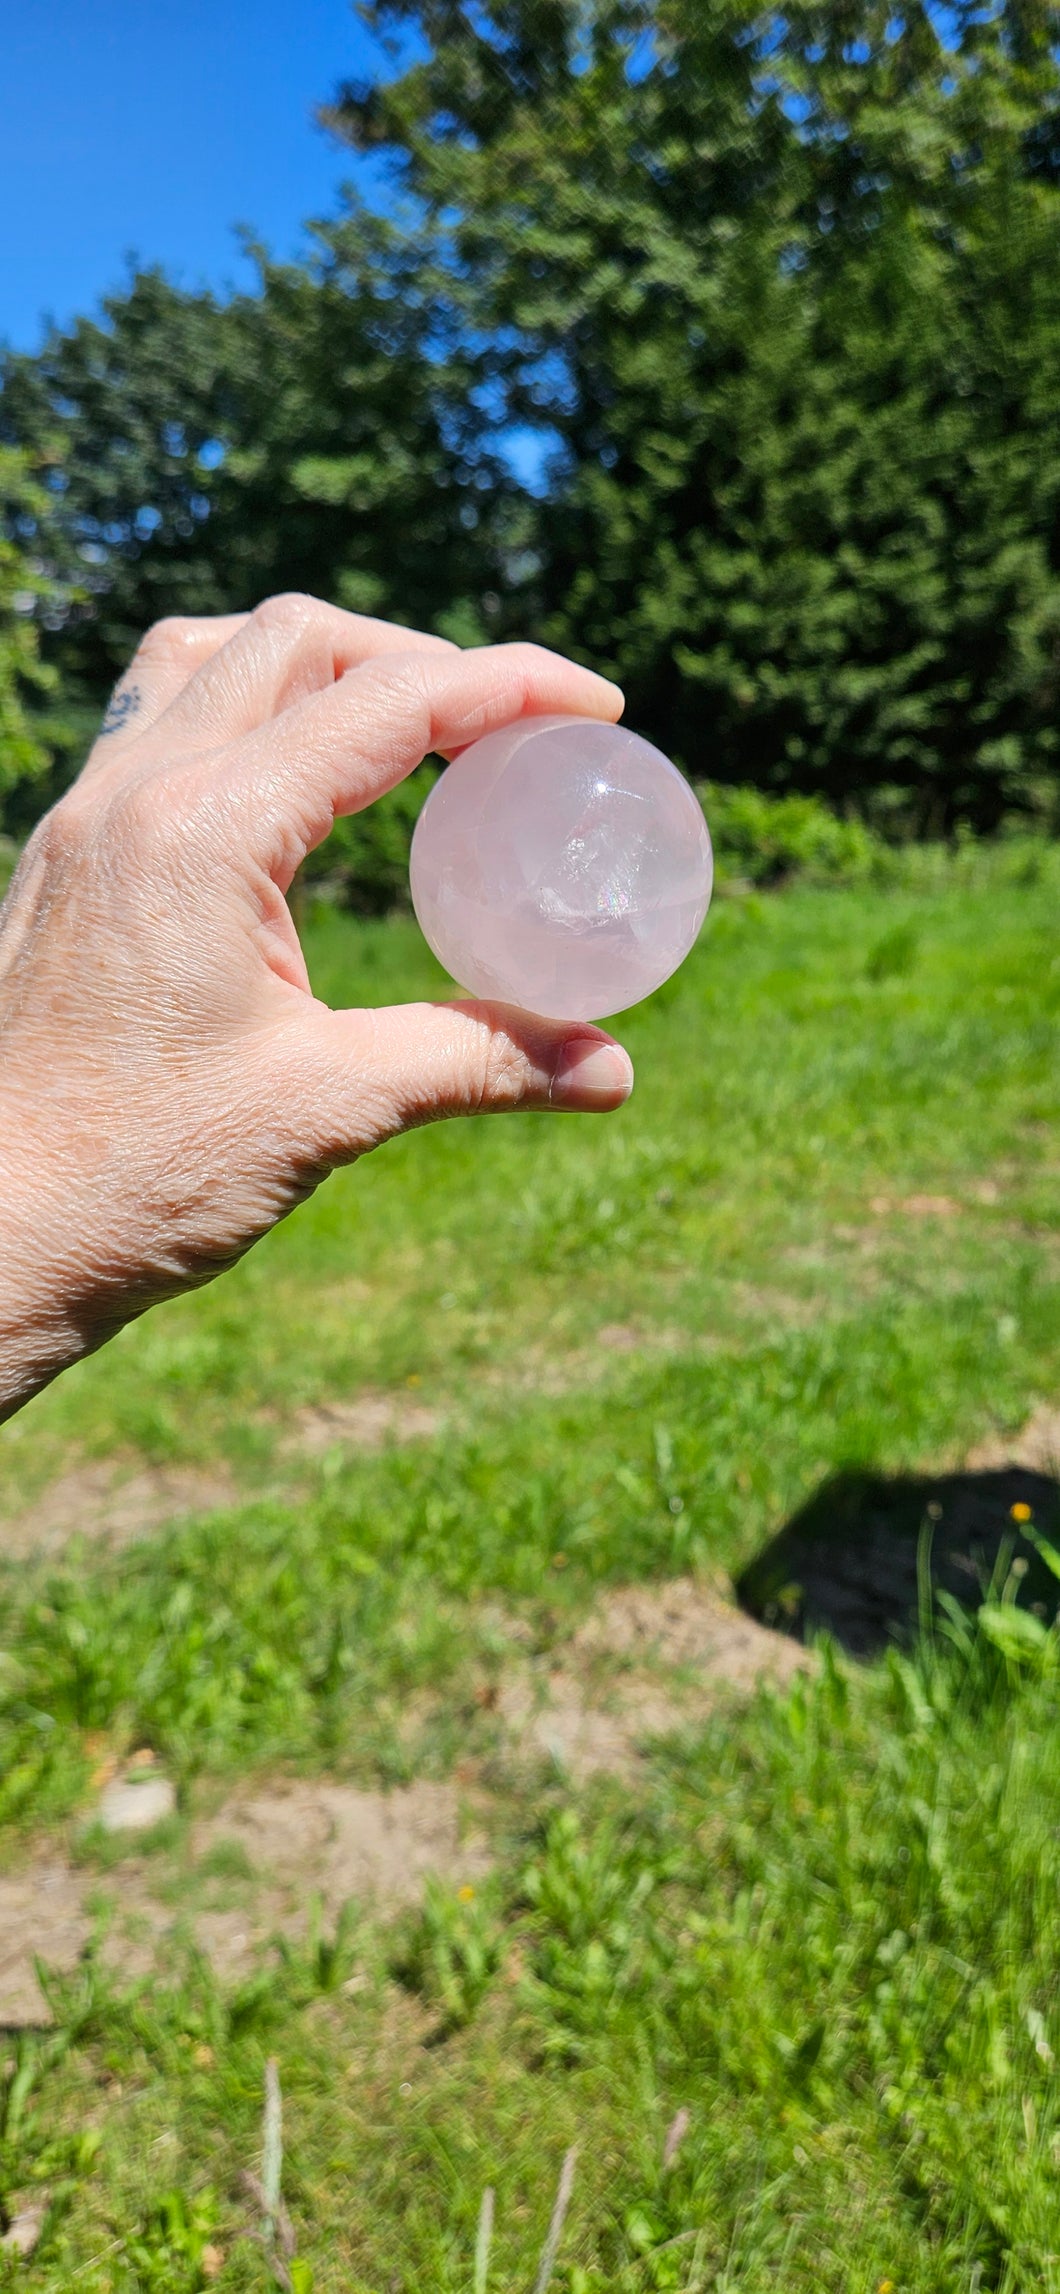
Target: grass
[[819, 1053], [823, 1234], [827, 1931]]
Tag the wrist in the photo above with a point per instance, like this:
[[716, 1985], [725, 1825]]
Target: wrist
[[44, 1325]]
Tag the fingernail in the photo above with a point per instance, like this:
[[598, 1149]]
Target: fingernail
[[590, 1074]]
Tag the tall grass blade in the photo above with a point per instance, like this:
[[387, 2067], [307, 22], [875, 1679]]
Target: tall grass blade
[[675, 2135], [559, 2215], [924, 1602], [483, 2240], [272, 2146], [1043, 1548]]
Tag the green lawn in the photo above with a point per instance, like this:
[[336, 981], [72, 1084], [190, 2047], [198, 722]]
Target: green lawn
[[824, 1233]]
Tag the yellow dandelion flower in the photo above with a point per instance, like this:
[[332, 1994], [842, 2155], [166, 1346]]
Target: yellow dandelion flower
[[466, 1895], [886, 2286], [1020, 1512]]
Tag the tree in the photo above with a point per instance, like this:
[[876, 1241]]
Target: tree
[[784, 294], [779, 296], [304, 437], [25, 591]]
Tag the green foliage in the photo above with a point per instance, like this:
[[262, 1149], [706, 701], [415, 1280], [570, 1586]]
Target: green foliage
[[824, 1923], [167, 2251], [824, 1926], [24, 592], [779, 298], [588, 1901], [451, 1952], [1020, 1634], [299, 438], [767, 840], [783, 295], [893, 955]]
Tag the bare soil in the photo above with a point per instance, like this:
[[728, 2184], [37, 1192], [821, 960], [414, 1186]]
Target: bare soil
[[1036, 1446], [366, 1422], [118, 1501], [649, 1660], [114, 1502]]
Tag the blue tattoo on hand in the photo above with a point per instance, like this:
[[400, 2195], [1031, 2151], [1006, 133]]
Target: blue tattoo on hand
[[122, 705]]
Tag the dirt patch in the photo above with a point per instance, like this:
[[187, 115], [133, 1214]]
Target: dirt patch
[[339, 1842], [649, 1660], [553, 1717], [914, 1206], [272, 1855], [367, 1422], [756, 1302], [684, 1624], [548, 1373], [620, 1337], [115, 1503], [1036, 1446], [300, 1850], [680, 1649], [42, 1915]]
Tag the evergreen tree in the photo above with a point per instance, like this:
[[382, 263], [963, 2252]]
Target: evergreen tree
[[785, 294], [304, 437], [25, 592], [780, 298]]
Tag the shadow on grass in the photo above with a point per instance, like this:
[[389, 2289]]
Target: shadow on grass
[[849, 1561]]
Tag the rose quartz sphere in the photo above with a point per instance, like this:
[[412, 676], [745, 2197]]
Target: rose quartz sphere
[[563, 865]]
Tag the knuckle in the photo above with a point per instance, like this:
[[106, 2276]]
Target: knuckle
[[134, 816], [62, 833], [525, 657], [427, 641], [525, 669], [289, 611], [501, 1079], [420, 656], [166, 640]]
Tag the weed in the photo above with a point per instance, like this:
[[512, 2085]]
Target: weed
[[450, 1953]]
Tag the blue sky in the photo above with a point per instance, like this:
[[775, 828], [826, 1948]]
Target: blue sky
[[133, 126]]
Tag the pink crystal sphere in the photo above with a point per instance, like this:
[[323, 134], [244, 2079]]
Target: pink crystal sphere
[[563, 865]]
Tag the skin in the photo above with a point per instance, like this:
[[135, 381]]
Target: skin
[[169, 1085]]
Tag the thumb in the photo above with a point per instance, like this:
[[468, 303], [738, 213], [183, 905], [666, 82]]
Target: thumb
[[375, 1073]]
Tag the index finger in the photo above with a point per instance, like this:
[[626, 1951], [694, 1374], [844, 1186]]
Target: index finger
[[288, 647], [338, 750]]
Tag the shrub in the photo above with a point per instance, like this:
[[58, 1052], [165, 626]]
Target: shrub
[[766, 839]]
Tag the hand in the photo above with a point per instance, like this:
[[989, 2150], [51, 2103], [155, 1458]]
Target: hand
[[169, 1085]]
